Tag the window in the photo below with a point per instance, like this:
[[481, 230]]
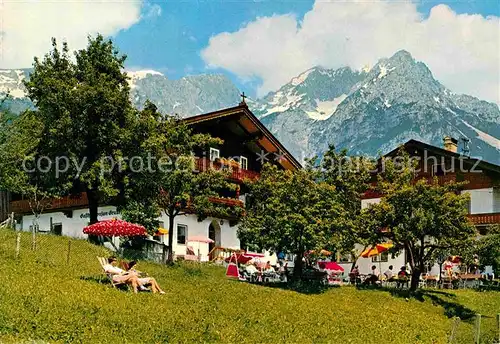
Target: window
[[181, 234], [214, 154], [57, 228], [345, 258], [383, 257], [244, 163], [438, 170]]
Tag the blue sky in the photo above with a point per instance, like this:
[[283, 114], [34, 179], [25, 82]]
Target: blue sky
[[171, 42]]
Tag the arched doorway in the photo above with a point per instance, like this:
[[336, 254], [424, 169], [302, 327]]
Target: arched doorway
[[214, 233]]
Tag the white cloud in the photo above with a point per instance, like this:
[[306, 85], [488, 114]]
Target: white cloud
[[29, 25], [463, 51]]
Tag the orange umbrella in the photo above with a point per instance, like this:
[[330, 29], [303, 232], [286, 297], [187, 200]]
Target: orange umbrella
[[374, 251]]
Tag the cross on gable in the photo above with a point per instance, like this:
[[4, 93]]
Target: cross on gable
[[243, 97]]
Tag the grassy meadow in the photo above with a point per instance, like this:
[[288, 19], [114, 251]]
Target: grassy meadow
[[45, 298]]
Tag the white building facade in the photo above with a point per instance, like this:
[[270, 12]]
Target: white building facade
[[185, 226], [483, 187]]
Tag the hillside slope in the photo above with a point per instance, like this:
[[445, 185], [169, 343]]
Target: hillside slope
[[45, 298]]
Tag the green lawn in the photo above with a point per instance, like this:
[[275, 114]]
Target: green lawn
[[44, 298]]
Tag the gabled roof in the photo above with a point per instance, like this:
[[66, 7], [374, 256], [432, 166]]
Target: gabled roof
[[482, 164], [252, 124]]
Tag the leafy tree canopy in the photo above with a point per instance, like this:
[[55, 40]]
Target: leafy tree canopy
[[290, 211], [172, 183], [420, 216], [85, 113]]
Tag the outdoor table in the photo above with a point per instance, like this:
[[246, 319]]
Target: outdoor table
[[431, 280], [469, 280]]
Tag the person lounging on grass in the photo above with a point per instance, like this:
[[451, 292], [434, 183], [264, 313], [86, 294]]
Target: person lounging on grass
[[120, 275], [144, 281]]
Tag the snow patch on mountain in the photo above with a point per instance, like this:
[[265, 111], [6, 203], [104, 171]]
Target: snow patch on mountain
[[325, 109], [492, 141], [283, 102], [11, 82], [384, 71]]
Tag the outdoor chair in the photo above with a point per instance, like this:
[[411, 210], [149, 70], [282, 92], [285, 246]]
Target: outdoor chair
[[103, 261], [190, 255], [402, 281]]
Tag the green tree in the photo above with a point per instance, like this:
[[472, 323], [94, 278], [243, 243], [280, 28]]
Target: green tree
[[171, 183], [85, 113], [487, 247], [290, 211], [351, 176], [425, 218], [21, 170]]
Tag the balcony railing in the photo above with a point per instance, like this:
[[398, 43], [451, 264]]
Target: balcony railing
[[67, 202], [485, 219], [237, 174], [227, 201]]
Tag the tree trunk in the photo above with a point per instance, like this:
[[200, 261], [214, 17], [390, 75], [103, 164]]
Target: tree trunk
[[170, 238], [297, 266], [415, 278], [356, 257], [93, 199]]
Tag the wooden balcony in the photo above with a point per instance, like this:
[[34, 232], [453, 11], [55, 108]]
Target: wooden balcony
[[485, 219], [233, 202], [237, 174], [67, 202]]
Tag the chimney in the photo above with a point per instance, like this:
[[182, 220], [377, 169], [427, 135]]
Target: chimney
[[450, 144]]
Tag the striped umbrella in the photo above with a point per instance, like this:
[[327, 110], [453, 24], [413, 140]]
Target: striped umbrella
[[376, 250]]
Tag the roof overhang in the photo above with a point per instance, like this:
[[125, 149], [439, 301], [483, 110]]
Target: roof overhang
[[478, 163], [252, 125]]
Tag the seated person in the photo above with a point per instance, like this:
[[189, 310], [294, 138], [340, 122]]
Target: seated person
[[155, 288], [282, 271], [120, 275], [402, 277], [448, 267], [268, 267], [354, 275], [389, 274], [251, 269], [373, 278]]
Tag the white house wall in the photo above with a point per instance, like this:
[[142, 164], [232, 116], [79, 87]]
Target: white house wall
[[228, 234], [482, 201], [73, 227]]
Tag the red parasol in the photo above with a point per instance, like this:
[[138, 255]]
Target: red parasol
[[238, 258], [115, 227], [332, 266]]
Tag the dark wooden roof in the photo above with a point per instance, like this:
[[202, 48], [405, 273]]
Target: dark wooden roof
[[250, 122], [443, 152]]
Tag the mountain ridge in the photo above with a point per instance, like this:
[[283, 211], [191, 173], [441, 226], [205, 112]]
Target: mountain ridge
[[396, 100], [367, 111]]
